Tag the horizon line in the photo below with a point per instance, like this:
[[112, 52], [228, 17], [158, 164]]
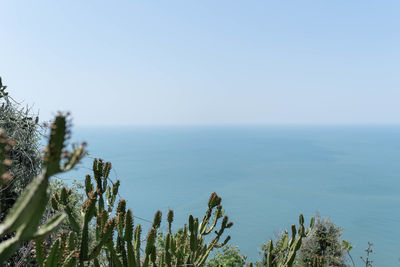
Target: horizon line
[[240, 125]]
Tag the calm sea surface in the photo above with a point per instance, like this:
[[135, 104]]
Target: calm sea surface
[[266, 176]]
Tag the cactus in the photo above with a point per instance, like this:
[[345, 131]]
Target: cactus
[[319, 261], [187, 247], [115, 238], [78, 248], [23, 219], [286, 248]]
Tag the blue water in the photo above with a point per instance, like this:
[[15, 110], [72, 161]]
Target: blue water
[[266, 176]]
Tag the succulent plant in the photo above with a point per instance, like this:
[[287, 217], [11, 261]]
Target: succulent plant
[[22, 221], [285, 253], [118, 241]]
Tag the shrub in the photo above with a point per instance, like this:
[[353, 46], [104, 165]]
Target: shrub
[[229, 257], [323, 242], [21, 127], [22, 222]]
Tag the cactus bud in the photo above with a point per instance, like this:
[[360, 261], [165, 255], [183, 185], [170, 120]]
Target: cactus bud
[[170, 216], [115, 188], [121, 206], [301, 219], [224, 221], [157, 219], [107, 168], [226, 240], [191, 223], [214, 200]]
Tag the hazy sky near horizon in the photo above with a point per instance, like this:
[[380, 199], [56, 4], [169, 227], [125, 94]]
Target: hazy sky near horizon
[[205, 62]]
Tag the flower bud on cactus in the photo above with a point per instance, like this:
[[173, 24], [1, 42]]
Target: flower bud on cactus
[[157, 220]]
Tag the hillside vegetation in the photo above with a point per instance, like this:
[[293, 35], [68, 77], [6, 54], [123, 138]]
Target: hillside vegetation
[[45, 222]]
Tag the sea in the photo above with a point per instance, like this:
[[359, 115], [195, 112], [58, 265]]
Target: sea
[[266, 176]]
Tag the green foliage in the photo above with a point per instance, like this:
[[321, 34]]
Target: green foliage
[[282, 253], [323, 245], [21, 127], [188, 246], [97, 233], [229, 257], [23, 219], [346, 245], [117, 241], [80, 242]]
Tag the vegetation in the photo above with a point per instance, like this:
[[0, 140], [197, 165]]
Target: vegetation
[[323, 243], [22, 128], [23, 131], [367, 260], [283, 251], [58, 225], [24, 217], [229, 257], [182, 248], [72, 247]]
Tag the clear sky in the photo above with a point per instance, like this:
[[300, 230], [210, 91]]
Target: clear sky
[[205, 61]]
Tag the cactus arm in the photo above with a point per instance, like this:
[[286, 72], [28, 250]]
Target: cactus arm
[[28, 209], [151, 238], [292, 239], [131, 256], [88, 185], [292, 254], [217, 215], [49, 226], [138, 233], [89, 209], [39, 253], [105, 238], [73, 159], [114, 255], [71, 241], [56, 144], [128, 226], [8, 247], [204, 222], [153, 256], [146, 261], [71, 219], [70, 260], [121, 250], [51, 259], [269, 257], [167, 254]]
